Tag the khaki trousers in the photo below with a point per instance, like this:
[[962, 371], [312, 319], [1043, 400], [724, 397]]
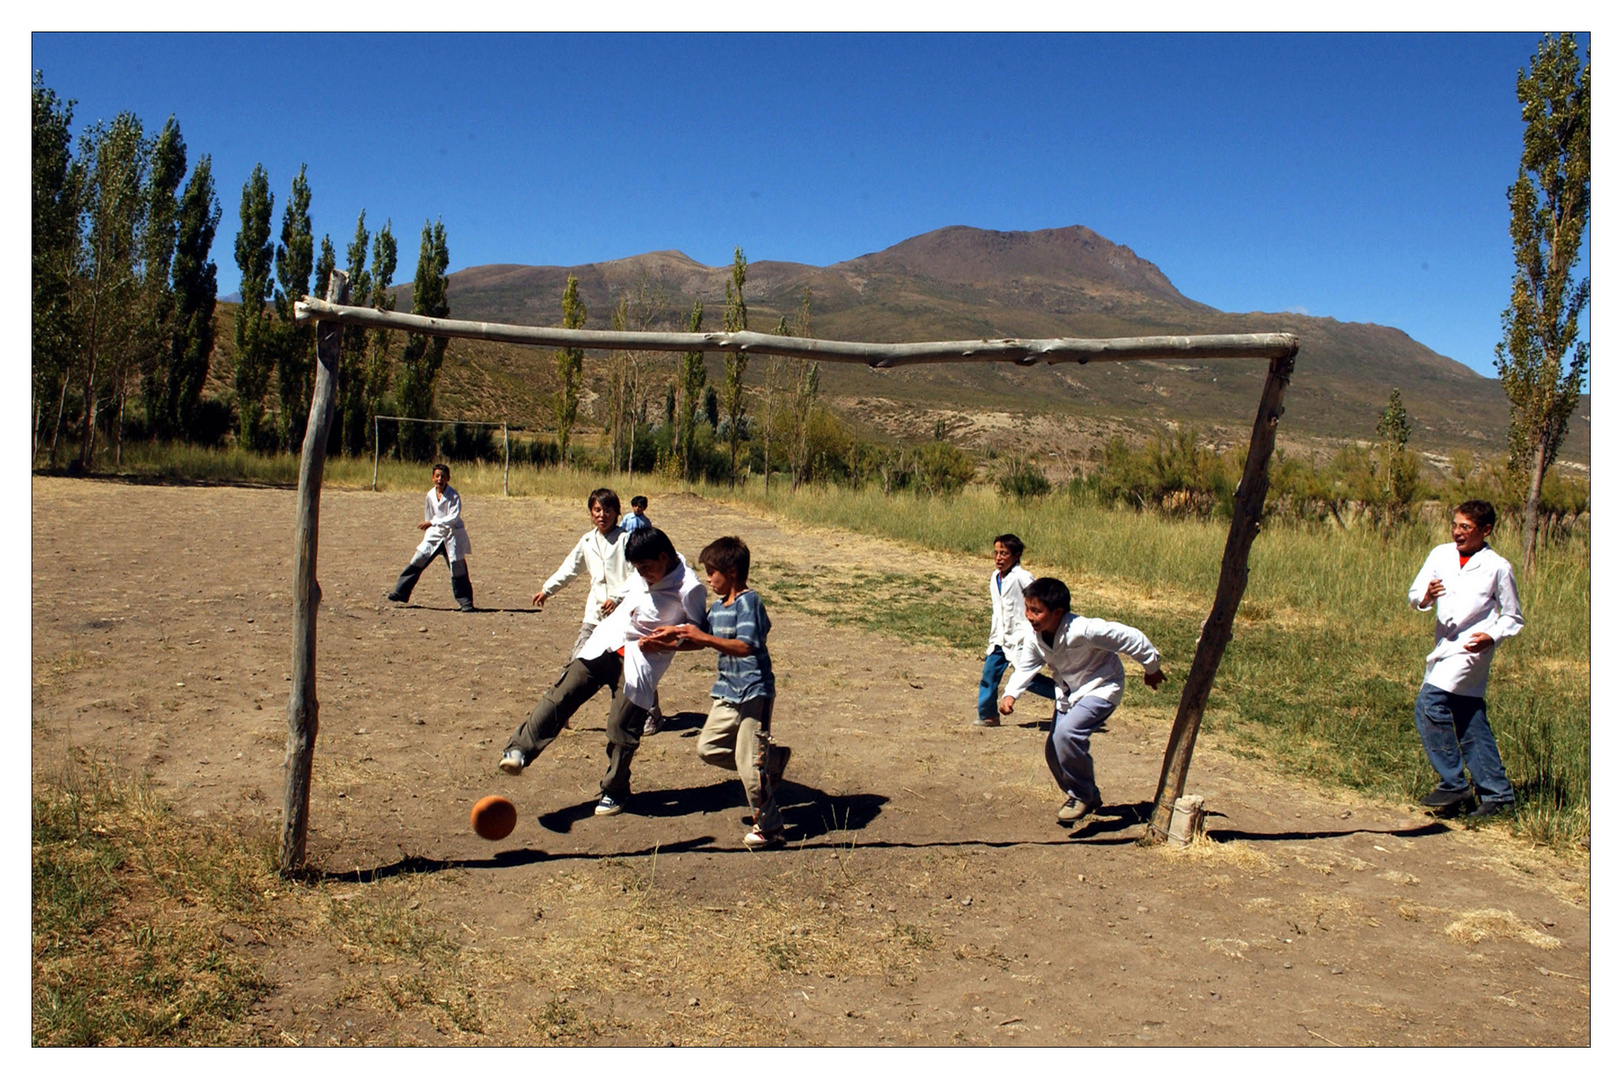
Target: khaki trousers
[[731, 739]]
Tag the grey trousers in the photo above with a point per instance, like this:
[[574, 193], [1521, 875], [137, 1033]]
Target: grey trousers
[[580, 681]]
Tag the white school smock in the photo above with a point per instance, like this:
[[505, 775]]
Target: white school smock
[[1478, 598], [603, 557], [1009, 611], [444, 517], [676, 598], [1084, 659]]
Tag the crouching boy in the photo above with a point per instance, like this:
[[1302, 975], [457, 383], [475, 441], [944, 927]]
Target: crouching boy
[[1088, 678], [666, 592], [738, 733]]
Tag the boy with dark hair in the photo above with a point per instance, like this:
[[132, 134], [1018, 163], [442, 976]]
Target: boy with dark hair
[[601, 553], [738, 733], [1009, 627], [1474, 590], [444, 535], [664, 592], [1088, 677], [638, 517]]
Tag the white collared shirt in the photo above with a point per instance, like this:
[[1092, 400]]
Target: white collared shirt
[[603, 557], [676, 598], [1478, 598], [1083, 657], [1009, 623], [444, 516]]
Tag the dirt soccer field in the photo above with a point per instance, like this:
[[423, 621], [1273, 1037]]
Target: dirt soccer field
[[926, 896]]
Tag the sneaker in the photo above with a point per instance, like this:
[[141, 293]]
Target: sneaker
[[467, 609], [1441, 799], [392, 598], [988, 721], [512, 762], [653, 724], [756, 839], [1073, 810], [1492, 808], [608, 805]]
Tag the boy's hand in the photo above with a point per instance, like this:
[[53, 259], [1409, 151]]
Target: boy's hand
[[1006, 706], [424, 526], [608, 605], [669, 636], [1477, 642], [539, 599], [1152, 679], [1433, 591]]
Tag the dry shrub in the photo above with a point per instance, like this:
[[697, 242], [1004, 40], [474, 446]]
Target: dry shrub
[[1473, 927]]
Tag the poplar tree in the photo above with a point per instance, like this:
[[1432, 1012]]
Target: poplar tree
[[692, 384], [150, 344], [294, 344], [567, 363], [193, 279], [735, 318], [55, 235], [420, 363], [1549, 212], [253, 331], [379, 366], [349, 427]]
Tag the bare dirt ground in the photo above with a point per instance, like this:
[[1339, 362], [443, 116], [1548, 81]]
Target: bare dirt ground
[[926, 897]]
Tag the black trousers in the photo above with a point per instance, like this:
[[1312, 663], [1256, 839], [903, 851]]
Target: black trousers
[[579, 683]]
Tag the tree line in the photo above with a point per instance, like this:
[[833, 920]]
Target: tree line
[[124, 299]]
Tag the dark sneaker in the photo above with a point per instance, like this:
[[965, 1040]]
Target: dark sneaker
[[988, 721], [467, 609], [756, 839], [392, 598], [512, 762], [1442, 799], [1073, 810], [608, 805], [1492, 808]]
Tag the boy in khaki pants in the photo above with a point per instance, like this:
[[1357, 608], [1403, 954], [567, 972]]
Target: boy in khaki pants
[[737, 734]]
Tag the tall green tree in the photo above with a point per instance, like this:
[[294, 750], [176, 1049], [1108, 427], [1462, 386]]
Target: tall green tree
[[1397, 467], [1549, 213], [691, 379], [420, 363], [380, 344], [55, 233], [254, 329], [567, 363], [150, 352], [736, 317], [351, 423], [295, 345], [194, 282], [108, 281], [806, 377]]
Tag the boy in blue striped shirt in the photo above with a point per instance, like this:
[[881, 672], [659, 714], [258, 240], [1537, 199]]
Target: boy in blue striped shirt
[[738, 733]]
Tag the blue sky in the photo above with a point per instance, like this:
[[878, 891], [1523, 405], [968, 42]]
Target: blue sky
[[1359, 176]]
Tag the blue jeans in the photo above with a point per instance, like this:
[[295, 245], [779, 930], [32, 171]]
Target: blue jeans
[[1067, 746], [992, 674], [1455, 734]]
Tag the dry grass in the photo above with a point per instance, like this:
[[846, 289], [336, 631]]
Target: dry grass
[[1474, 927], [1204, 851]]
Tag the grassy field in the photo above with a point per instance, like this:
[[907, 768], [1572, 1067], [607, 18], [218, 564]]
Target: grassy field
[[1326, 657]]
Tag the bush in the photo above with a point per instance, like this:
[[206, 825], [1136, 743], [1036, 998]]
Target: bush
[[943, 469], [1021, 479]]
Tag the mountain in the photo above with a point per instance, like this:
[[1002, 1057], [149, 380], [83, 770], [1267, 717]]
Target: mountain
[[962, 283]]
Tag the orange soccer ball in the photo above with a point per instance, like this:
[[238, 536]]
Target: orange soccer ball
[[493, 817]]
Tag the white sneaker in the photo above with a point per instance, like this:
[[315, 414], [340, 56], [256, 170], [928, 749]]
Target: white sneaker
[[512, 762]]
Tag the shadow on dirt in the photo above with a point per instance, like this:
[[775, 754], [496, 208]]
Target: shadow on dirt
[[1434, 828]]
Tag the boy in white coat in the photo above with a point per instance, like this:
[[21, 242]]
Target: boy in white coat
[[1474, 591], [443, 534], [1009, 627], [601, 554], [1088, 678], [666, 592]]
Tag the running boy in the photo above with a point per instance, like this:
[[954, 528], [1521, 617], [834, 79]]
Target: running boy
[[665, 592], [1475, 593], [601, 552], [443, 534], [738, 733], [1088, 677], [1009, 627]]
